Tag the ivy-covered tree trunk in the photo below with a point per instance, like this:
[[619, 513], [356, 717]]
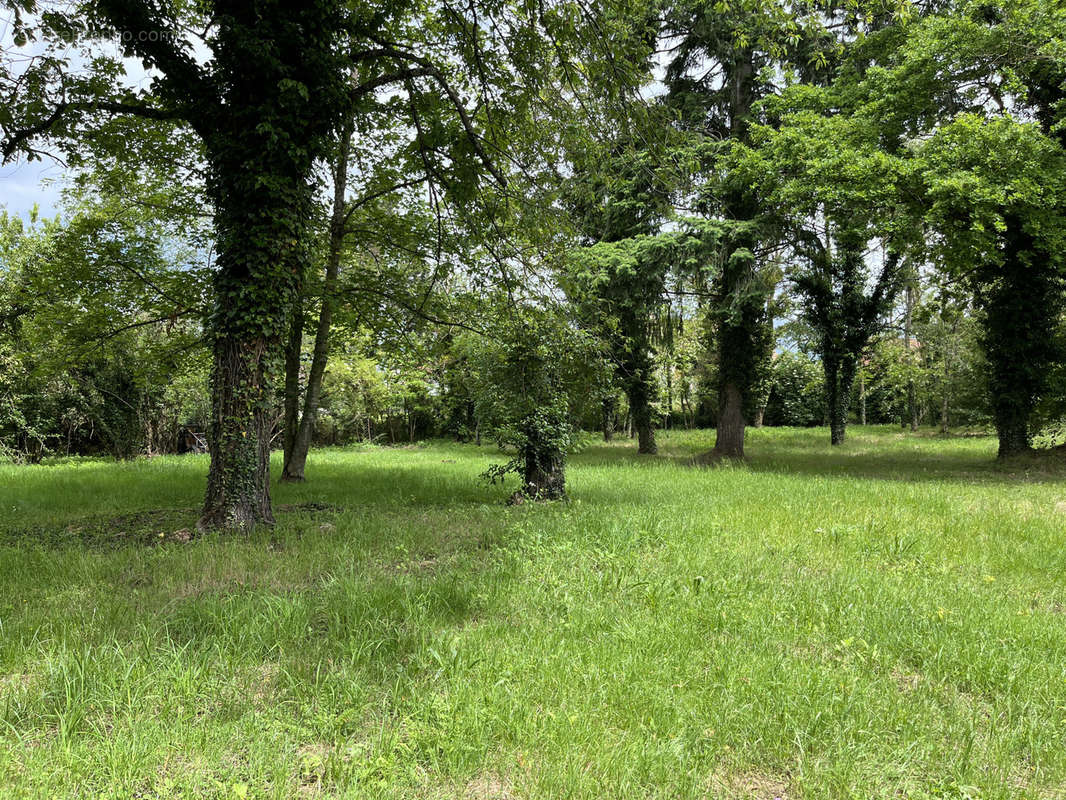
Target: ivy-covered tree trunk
[[839, 378], [544, 474], [742, 344], [238, 481], [729, 436], [1021, 303], [262, 259]]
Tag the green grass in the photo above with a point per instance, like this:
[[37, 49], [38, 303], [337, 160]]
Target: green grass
[[886, 619]]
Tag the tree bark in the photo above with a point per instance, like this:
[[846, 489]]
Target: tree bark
[[296, 460], [1022, 303], [912, 391], [262, 261], [238, 482], [839, 378], [293, 351], [640, 405], [862, 398], [1012, 428], [607, 417], [669, 397], [757, 417], [729, 437], [545, 477]]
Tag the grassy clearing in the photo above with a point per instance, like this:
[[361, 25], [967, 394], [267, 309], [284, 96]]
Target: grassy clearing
[[883, 620]]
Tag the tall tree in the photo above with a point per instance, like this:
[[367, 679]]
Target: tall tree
[[615, 285], [834, 194], [725, 61], [954, 93]]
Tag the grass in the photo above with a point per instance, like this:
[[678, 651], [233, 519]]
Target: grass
[[885, 619]]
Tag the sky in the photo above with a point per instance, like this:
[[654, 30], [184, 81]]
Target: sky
[[23, 185], [26, 184]]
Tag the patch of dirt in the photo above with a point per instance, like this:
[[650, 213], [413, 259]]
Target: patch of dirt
[[749, 786], [488, 787], [906, 681]]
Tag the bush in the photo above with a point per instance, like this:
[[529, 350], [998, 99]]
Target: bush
[[797, 392]]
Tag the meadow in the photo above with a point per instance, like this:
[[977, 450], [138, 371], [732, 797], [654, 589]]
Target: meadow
[[884, 619]]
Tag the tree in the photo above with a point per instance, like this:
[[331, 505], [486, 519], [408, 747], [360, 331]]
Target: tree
[[103, 309], [845, 316], [834, 192], [617, 288], [952, 94], [996, 189], [723, 64], [527, 386]]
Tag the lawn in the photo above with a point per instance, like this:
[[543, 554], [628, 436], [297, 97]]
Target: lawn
[[885, 619]]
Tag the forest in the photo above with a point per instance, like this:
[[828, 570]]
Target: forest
[[510, 399]]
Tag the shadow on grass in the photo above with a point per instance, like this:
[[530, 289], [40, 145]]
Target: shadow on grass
[[149, 528]]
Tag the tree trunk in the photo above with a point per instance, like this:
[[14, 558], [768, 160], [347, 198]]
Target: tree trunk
[[837, 427], [640, 406], [1013, 431], [296, 458], [839, 378], [607, 420], [912, 404], [261, 265], [1022, 305], [862, 398], [238, 481], [669, 396], [945, 397], [729, 437], [912, 392], [757, 417], [293, 350], [545, 478]]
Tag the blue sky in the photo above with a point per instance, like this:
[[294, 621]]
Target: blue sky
[[24, 184]]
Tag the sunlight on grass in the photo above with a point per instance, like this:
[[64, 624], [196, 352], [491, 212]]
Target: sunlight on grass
[[886, 619]]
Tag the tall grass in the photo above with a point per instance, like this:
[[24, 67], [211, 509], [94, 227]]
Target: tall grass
[[886, 619]]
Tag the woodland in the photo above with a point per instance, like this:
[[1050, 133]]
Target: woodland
[[500, 399]]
